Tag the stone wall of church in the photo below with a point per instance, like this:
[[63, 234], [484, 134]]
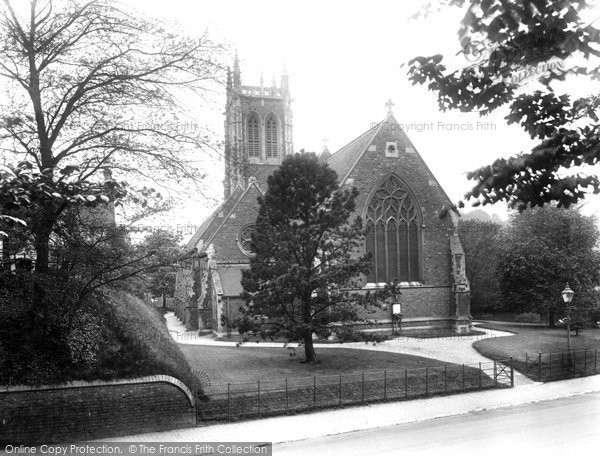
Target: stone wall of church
[[436, 231], [425, 301]]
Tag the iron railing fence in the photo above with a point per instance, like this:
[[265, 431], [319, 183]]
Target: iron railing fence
[[546, 367], [235, 401]]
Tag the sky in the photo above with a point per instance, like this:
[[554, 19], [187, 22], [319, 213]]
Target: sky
[[345, 60]]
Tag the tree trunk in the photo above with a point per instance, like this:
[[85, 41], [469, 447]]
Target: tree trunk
[[5, 253], [42, 251], [41, 230], [309, 348]]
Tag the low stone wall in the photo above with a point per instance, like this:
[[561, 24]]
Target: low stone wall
[[86, 410]]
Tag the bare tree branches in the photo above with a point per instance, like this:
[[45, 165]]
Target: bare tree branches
[[95, 85]]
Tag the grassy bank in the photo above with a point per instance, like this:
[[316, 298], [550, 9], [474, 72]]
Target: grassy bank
[[114, 335]]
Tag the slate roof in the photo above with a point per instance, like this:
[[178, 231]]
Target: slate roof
[[344, 159], [230, 208], [213, 222]]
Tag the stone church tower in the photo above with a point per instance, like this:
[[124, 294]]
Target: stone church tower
[[258, 129]]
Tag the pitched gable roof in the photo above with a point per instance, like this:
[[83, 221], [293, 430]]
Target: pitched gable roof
[[344, 159], [253, 186], [213, 222]]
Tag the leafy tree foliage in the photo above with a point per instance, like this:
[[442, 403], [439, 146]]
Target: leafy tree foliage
[[306, 255], [482, 242], [514, 35], [544, 249], [94, 85], [159, 278]]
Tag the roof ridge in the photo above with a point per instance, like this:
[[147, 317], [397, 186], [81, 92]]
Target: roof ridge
[[376, 131], [375, 127]]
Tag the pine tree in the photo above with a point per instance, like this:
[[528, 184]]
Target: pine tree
[[307, 260]]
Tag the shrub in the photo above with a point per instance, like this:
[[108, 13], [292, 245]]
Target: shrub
[[528, 317], [349, 334]]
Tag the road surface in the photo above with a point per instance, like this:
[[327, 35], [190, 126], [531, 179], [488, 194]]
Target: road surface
[[568, 426]]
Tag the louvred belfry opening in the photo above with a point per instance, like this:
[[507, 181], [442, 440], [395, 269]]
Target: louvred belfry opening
[[253, 138], [393, 234], [271, 137]]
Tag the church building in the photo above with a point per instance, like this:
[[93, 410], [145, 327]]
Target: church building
[[411, 223]]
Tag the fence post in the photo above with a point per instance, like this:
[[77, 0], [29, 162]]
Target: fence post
[[314, 392], [340, 391], [385, 385], [229, 402], [495, 375], [562, 365], [585, 362], [540, 366], [550, 370], [287, 400], [463, 377], [363, 387], [480, 375], [405, 383], [596, 361], [445, 378], [526, 362], [512, 373], [258, 382], [426, 381]]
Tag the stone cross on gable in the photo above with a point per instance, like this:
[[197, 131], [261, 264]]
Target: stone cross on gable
[[389, 105], [325, 141]]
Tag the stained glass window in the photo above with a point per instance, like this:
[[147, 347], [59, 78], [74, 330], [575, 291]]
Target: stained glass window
[[393, 235]]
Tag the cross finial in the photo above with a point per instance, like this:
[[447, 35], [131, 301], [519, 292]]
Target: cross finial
[[389, 105], [325, 141]]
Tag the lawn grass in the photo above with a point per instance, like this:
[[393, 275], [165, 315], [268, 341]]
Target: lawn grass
[[225, 365], [253, 382], [534, 339], [528, 341]]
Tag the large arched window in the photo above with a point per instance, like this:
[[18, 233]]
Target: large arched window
[[271, 137], [253, 137], [392, 221]]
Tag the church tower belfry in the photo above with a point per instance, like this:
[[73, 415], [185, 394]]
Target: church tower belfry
[[258, 130]]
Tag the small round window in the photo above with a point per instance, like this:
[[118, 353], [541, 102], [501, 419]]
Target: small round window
[[245, 239]]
